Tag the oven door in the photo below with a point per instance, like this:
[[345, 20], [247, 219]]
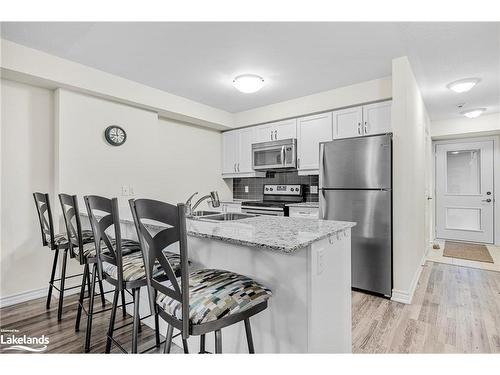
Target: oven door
[[274, 155], [269, 211]]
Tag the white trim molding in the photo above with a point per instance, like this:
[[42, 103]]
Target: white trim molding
[[406, 296], [23, 297]]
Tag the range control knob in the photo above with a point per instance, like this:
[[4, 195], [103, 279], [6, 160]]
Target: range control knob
[[267, 189], [271, 189]]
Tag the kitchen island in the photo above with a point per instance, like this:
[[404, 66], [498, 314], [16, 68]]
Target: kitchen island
[[307, 265]]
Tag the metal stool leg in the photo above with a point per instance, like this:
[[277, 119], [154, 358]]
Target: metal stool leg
[[61, 292], [248, 331], [185, 346], [218, 341], [124, 307], [112, 320], [168, 339], [157, 328], [101, 289], [91, 309], [137, 320], [202, 344], [82, 295], [52, 277]]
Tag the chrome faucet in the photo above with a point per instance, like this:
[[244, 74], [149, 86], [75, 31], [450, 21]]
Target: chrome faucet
[[214, 196]]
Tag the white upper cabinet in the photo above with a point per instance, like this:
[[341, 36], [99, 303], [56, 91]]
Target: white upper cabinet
[[312, 130], [237, 153], [347, 123], [377, 118], [364, 120], [245, 138], [229, 152], [276, 131]]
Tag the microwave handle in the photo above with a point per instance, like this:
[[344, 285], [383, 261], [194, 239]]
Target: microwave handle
[[283, 155]]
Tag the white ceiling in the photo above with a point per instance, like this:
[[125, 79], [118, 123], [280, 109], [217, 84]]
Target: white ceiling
[[199, 60]]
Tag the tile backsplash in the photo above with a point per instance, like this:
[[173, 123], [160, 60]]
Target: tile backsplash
[[255, 185]]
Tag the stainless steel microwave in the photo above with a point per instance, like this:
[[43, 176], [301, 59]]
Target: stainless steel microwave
[[275, 155]]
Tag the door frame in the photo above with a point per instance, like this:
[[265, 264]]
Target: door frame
[[496, 178]]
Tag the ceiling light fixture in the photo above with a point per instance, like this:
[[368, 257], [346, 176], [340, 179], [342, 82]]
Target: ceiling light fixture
[[473, 113], [248, 83], [463, 85]]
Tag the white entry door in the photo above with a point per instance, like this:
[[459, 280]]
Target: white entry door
[[464, 191]]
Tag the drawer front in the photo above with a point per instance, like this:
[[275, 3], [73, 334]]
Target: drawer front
[[304, 212]]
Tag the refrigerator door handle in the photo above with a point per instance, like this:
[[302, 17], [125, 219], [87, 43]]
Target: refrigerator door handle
[[321, 164]]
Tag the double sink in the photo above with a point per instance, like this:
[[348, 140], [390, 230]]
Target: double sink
[[218, 216]]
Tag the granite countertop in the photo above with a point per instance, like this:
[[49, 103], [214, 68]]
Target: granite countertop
[[283, 234], [304, 204], [277, 233]]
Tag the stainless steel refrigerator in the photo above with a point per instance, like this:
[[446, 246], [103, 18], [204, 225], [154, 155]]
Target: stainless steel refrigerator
[[356, 185]]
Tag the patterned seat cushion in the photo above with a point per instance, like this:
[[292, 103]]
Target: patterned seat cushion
[[128, 247], [214, 294], [133, 266], [59, 239]]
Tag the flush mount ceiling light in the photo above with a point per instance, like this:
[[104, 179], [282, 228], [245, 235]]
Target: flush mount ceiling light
[[463, 85], [248, 83], [473, 113]]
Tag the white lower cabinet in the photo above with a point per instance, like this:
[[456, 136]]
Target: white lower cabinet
[[312, 130], [304, 212]]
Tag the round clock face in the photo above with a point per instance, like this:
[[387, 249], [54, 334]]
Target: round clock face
[[115, 135]]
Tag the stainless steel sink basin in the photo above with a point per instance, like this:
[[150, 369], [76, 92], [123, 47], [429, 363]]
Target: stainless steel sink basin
[[228, 216], [204, 213]]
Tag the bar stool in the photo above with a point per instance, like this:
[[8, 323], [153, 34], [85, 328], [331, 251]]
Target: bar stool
[[199, 302], [82, 246], [57, 243], [120, 262]]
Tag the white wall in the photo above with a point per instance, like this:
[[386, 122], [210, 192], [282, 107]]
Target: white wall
[[161, 159], [360, 93], [487, 124], [55, 143], [27, 166], [409, 120]]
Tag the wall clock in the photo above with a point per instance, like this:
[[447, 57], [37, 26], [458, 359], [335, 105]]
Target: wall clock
[[115, 135]]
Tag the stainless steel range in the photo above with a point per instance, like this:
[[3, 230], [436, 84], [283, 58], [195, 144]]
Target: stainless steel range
[[276, 197]]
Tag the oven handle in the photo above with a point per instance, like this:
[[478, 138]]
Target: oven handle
[[261, 209], [268, 213]]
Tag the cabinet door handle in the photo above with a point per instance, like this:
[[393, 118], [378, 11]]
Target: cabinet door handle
[[298, 163], [359, 128], [238, 167], [234, 167], [275, 135], [271, 135], [366, 127]]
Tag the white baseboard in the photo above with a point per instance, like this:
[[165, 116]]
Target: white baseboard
[[33, 294], [406, 296], [23, 297]]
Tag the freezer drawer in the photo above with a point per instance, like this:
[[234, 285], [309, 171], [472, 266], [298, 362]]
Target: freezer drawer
[[371, 245], [356, 163]]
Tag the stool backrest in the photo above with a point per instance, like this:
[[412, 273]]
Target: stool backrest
[[167, 225], [71, 215], [103, 214], [42, 204]]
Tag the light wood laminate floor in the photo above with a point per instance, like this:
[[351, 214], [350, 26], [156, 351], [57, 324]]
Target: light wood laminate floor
[[455, 310]]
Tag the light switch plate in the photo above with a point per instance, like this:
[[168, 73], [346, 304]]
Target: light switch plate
[[246, 189], [314, 189], [131, 190], [125, 190]]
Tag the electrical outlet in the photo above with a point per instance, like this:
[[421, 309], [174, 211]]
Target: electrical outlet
[[125, 190], [320, 262], [131, 190], [246, 189], [314, 189]]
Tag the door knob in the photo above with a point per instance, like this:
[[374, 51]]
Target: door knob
[[486, 200]]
